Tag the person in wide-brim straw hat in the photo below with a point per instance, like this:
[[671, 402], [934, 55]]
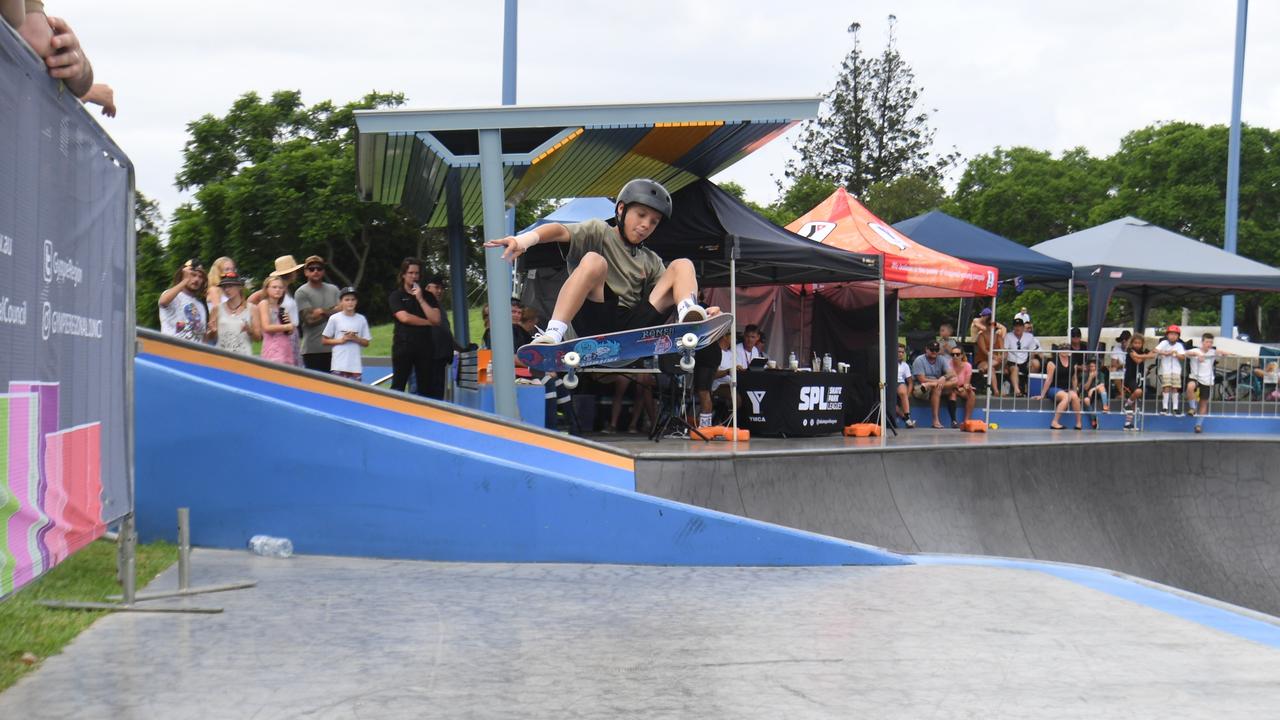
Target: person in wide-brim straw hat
[[287, 268], [285, 264]]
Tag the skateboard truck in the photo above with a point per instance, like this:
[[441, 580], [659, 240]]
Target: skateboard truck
[[688, 344], [571, 361]]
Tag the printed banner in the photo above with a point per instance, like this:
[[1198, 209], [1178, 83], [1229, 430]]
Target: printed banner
[[65, 330]]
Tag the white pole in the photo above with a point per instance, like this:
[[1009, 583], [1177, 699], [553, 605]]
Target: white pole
[[733, 338], [1071, 306], [991, 356], [883, 350]]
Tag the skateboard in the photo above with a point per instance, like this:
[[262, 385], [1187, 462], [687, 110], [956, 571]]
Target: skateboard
[[625, 346]]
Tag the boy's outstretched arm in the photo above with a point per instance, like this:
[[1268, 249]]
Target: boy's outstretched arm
[[515, 245]]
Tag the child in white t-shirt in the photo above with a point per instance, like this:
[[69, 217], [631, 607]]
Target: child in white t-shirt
[[1169, 354], [347, 332], [1200, 372]]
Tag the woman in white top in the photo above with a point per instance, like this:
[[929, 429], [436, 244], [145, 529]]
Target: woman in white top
[[231, 322], [215, 295]]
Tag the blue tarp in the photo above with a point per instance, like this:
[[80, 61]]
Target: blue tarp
[[578, 210], [955, 237]]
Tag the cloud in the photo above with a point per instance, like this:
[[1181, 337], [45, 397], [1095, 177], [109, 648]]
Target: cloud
[[1048, 75]]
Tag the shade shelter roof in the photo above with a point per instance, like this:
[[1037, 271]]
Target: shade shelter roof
[[558, 151], [916, 270], [1149, 263], [709, 227], [1132, 252], [957, 238]]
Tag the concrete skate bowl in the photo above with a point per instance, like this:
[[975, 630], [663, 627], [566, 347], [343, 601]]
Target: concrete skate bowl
[[1198, 514]]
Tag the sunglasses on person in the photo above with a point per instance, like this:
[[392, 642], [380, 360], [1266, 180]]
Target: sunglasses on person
[[313, 268], [957, 355]]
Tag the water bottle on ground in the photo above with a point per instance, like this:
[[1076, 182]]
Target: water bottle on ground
[[792, 362], [268, 546]]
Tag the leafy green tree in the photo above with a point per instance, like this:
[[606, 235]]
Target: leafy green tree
[[154, 270], [276, 177], [1175, 175], [904, 197], [1030, 196], [871, 128]]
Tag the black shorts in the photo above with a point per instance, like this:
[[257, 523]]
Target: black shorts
[[706, 363], [598, 318]]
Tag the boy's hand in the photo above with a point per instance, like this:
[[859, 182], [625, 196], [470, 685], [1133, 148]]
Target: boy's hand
[[713, 311]]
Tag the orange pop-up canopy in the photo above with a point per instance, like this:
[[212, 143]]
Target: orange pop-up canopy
[[915, 270]]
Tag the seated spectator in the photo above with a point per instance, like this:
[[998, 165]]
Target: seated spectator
[[946, 341], [484, 338], [231, 321], [964, 389], [934, 378], [1019, 346], [1060, 385], [748, 349], [1270, 374], [1093, 391], [904, 388], [981, 331], [182, 312]]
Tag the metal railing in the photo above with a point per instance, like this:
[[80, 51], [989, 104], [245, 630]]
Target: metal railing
[[1234, 387]]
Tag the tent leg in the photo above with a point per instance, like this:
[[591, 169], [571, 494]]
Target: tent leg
[[733, 340], [883, 350], [991, 357]]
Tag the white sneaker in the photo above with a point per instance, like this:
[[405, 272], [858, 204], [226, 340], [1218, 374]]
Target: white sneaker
[[545, 338], [693, 313]]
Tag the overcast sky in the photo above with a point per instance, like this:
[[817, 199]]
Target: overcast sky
[[1045, 74]]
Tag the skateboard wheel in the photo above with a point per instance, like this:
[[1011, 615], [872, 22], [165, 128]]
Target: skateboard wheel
[[572, 359], [686, 363], [689, 341], [570, 382]]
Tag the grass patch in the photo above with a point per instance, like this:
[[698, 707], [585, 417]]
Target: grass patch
[[88, 575]]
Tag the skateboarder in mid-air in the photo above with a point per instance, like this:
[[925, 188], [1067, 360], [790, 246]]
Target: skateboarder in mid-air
[[615, 282]]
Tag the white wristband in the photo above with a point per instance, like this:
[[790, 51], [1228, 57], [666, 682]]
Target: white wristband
[[527, 239]]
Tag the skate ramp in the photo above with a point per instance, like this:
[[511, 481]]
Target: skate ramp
[[344, 469], [1198, 514]]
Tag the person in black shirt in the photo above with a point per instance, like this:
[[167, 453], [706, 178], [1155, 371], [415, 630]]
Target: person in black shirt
[[1134, 370], [1062, 385], [414, 312]]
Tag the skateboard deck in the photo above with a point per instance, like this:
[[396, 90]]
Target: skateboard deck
[[623, 346]]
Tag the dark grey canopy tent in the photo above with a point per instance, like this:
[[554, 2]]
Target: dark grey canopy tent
[[1147, 263], [712, 228]]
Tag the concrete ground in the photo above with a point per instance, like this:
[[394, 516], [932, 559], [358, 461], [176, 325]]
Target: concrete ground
[[324, 637]]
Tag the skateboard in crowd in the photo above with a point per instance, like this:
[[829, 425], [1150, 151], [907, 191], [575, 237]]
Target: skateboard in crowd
[[623, 347]]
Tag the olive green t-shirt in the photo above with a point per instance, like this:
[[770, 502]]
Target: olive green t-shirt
[[632, 271]]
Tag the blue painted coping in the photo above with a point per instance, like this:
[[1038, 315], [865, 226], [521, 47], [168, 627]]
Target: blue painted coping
[[1114, 420], [482, 443], [249, 463], [1203, 613]]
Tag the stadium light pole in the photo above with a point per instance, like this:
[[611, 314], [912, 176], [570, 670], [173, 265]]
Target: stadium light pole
[[1233, 161]]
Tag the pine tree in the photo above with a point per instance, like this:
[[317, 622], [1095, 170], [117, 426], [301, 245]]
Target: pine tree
[[870, 129]]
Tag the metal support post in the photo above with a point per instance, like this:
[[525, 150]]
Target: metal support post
[[498, 275], [1233, 161]]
